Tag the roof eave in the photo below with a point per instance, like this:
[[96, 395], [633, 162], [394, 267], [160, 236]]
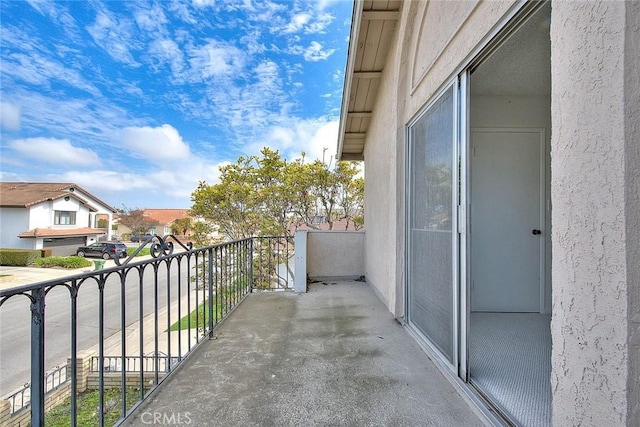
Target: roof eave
[[356, 19]]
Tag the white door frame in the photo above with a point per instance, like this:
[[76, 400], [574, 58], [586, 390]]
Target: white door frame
[[453, 365]]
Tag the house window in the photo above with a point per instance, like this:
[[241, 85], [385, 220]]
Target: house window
[[64, 218]]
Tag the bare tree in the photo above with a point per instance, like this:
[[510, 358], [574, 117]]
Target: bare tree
[[136, 220]]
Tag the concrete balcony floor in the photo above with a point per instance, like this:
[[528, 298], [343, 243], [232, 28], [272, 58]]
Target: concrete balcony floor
[[333, 356]]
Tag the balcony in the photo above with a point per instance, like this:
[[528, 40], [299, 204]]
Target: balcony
[[332, 355]]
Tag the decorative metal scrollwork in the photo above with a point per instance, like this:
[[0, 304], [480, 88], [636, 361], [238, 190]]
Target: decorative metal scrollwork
[[159, 246], [164, 247]]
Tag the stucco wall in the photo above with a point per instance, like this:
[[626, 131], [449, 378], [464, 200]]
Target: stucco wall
[[591, 357], [13, 221], [430, 41], [40, 215], [632, 194], [380, 187], [594, 185], [465, 25], [335, 253]]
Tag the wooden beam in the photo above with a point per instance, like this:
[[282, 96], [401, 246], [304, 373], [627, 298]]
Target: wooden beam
[[352, 156], [367, 74], [354, 135], [360, 114], [378, 15]]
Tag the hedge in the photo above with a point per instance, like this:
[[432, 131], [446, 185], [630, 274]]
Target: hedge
[[64, 262], [19, 257]]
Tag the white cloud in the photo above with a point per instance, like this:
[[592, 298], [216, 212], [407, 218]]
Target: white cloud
[[315, 52], [319, 25], [95, 120], [203, 3], [168, 51], [151, 19], [10, 116], [113, 36], [297, 22], [267, 73], [322, 4], [216, 59], [252, 42], [36, 69], [181, 9], [162, 144], [160, 185], [295, 135], [265, 11], [105, 180], [55, 151]]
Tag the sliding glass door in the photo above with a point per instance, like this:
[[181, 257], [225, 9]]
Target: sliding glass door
[[432, 218]]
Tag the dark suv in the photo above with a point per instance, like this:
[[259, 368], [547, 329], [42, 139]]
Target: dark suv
[[104, 250], [142, 238]]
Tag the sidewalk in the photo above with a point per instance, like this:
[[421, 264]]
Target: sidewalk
[[11, 277], [18, 276]]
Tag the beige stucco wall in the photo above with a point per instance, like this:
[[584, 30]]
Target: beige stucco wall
[[594, 192], [632, 203], [335, 253], [443, 35], [595, 185], [380, 190]]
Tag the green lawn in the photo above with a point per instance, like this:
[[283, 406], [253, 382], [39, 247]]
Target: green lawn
[[144, 251], [87, 405], [203, 313]]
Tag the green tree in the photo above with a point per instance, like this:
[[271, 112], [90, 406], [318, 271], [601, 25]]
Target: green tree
[[201, 232], [268, 195], [181, 226], [350, 194], [232, 203]]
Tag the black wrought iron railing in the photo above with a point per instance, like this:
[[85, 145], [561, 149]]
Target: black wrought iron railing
[[132, 323]]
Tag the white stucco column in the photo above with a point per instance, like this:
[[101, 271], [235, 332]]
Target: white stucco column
[[300, 263], [595, 185]]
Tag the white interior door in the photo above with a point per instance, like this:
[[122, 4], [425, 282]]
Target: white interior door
[[506, 220]]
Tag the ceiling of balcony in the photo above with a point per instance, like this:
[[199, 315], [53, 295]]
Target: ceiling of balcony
[[372, 29]]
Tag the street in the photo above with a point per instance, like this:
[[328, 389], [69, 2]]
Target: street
[[15, 318]]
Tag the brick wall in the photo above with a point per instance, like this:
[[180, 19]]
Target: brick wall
[[86, 380]]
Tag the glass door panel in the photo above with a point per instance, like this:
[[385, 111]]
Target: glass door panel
[[432, 233]]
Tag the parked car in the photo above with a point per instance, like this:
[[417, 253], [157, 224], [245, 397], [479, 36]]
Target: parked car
[[104, 250], [141, 238]]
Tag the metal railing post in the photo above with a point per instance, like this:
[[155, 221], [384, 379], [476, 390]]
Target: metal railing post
[[251, 265], [74, 354], [210, 299], [37, 357]]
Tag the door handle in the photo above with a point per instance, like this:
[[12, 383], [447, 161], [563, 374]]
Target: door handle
[[535, 232]]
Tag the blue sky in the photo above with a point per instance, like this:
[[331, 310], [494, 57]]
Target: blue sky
[[138, 101]]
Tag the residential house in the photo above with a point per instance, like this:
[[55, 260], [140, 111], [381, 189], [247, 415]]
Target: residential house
[[500, 142], [164, 219], [56, 216]]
